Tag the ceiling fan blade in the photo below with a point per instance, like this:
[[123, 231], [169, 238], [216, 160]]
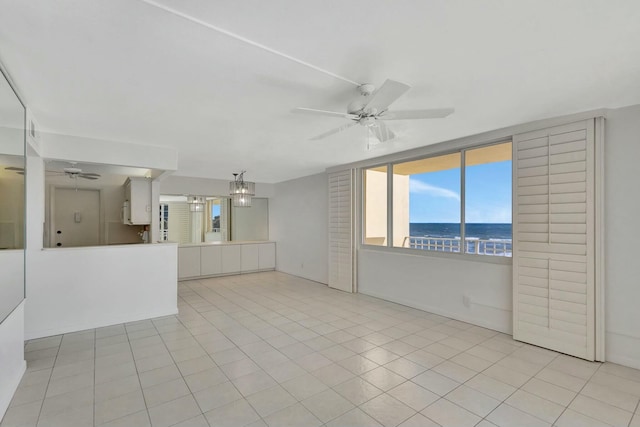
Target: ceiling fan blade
[[97, 175], [386, 95], [314, 112], [382, 132], [82, 175], [434, 113], [333, 131], [14, 168]]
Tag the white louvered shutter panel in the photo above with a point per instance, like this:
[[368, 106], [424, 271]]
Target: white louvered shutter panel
[[553, 232], [341, 239]]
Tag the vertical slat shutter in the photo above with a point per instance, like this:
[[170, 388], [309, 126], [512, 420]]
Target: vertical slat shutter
[[341, 239], [553, 260]]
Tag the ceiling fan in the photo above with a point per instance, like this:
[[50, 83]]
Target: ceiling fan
[[371, 110], [71, 172]]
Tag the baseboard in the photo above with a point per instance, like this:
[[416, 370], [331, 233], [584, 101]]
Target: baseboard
[[440, 312], [297, 274], [13, 386], [622, 349], [237, 273], [29, 335]]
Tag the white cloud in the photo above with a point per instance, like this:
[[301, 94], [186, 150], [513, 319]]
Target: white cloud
[[416, 186], [490, 215]]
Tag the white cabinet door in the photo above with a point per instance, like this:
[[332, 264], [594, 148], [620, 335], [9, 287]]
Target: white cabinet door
[[267, 256], [210, 260], [188, 262], [231, 258], [138, 193], [249, 257]]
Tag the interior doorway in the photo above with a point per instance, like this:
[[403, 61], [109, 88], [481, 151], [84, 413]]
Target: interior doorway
[[75, 219]]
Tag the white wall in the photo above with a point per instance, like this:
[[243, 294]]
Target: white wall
[[298, 224], [11, 280], [206, 187], [71, 289], [438, 284], [91, 150], [78, 288], [12, 363], [622, 236]]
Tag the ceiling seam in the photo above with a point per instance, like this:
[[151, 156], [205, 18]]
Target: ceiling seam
[[247, 41]]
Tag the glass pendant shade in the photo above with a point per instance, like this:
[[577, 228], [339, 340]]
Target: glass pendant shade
[[241, 201], [196, 203], [241, 191], [242, 187]]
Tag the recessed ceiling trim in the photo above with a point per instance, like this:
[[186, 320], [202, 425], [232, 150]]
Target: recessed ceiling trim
[[247, 41]]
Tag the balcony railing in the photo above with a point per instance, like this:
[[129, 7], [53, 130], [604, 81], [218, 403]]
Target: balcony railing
[[494, 247]]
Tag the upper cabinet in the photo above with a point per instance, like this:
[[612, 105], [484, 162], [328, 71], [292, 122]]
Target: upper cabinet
[[137, 195]]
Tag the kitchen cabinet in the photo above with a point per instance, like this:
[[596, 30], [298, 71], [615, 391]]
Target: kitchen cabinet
[[188, 262], [137, 195], [210, 260], [222, 258], [249, 257]]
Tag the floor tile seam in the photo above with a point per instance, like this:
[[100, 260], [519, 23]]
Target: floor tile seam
[[569, 404], [49, 382], [95, 356], [221, 331], [146, 408], [223, 373], [393, 397], [616, 375], [502, 402], [613, 375], [482, 392]]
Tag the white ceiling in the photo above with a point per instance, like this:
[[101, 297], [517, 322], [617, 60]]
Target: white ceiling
[[127, 71]]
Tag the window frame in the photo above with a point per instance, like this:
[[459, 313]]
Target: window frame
[[388, 247]]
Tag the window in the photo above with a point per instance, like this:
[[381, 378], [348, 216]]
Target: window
[[426, 203], [458, 202], [488, 200]]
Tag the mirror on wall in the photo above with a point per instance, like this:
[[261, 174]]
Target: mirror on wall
[[196, 219], [12, 199]]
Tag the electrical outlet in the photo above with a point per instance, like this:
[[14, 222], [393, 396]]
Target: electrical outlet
[[466, 300]]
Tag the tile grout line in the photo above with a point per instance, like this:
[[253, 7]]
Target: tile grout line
[[95, 356], [55, 359], [126, 333], [578, 394], [208, 355]]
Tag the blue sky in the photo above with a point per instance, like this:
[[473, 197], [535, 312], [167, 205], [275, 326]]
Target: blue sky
[[435, 196]]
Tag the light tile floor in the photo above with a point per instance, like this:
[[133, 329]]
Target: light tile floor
[[271, 349]]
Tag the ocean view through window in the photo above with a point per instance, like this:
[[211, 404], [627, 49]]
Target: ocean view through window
[[458, 202]]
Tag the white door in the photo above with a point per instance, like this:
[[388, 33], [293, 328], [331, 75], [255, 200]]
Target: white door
[[554, 239], [341, 231], [76, 217]]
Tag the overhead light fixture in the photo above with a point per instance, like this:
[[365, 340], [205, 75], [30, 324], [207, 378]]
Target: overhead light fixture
[[241, 191], [196, 203]]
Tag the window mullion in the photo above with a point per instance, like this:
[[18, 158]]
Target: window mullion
[[390, 205], [463, 243]]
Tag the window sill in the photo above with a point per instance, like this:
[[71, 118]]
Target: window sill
[[490, 259]]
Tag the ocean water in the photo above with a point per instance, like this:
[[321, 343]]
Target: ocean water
[[479, 231]]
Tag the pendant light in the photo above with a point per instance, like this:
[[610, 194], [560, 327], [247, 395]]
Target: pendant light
[[241, 191]]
